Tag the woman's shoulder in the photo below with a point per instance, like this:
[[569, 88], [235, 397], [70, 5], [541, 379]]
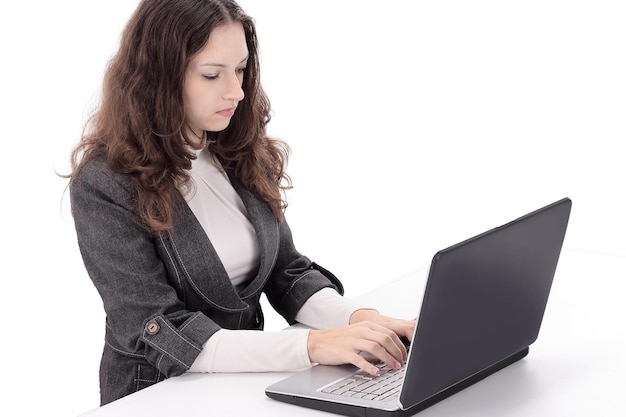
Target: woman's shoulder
[[97, 173]]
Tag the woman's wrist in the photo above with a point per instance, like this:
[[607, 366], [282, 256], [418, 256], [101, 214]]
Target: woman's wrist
[[363, 314], [313, 343]]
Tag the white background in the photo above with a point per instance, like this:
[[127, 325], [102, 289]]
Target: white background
[[413, 125]]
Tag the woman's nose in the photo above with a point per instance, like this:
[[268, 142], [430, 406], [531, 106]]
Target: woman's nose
[[234, 90]]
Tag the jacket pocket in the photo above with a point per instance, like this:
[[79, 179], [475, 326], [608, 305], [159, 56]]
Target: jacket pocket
[[146, 376]]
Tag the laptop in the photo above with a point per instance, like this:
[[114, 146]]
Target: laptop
[[481, 309]]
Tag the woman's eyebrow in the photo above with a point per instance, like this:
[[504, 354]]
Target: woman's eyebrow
[[214, 64]]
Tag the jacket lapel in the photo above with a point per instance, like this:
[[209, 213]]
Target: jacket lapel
[[267, 232], [200, 263], [202, 266]]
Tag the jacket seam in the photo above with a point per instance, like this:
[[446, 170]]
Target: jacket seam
[[171, 260], [137, 378], [158, 362], [164, 352], [184, 326], [123, 352], [296, 281]]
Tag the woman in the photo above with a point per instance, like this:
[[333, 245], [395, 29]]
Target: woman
[[176, 193]]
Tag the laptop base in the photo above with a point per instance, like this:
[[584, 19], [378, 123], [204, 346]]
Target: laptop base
[[353, 411]]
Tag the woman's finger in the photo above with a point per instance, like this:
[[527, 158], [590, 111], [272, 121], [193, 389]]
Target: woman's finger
[[389, 340]]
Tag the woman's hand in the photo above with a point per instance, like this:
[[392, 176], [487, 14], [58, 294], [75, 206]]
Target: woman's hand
[[403, 328], [368, 332]]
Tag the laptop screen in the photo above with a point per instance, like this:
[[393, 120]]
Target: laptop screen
[[484, 300]]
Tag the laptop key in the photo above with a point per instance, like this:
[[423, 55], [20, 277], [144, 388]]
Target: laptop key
[[388, 395]]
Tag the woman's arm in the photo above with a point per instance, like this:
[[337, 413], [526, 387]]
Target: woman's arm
[[287, 350], [145, 315], [254, 351]]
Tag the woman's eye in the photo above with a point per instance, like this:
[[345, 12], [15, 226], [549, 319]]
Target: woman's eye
[[210, 76], [241, 70]]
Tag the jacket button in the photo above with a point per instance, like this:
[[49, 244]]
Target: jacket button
[[152, 327]]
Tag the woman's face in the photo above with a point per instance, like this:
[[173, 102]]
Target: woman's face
[[213, 80]]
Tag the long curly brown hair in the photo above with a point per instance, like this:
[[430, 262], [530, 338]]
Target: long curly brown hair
[[139, 125]]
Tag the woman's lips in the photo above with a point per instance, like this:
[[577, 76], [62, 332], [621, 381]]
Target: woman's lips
[[227, 112]]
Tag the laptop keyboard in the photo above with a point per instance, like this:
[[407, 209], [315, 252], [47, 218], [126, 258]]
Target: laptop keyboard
[[383, 386]]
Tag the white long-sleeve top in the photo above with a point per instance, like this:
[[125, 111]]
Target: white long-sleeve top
[[223, 216]]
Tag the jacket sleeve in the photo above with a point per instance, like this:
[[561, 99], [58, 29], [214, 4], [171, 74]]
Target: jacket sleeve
[[145, 317], [295, 278]]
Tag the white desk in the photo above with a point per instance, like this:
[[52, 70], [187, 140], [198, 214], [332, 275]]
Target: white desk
[[576, 368]]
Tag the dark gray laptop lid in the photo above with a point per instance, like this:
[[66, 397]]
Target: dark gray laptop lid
[[484, 301]]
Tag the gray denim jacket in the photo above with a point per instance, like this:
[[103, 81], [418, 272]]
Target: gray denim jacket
[[165, 295]]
